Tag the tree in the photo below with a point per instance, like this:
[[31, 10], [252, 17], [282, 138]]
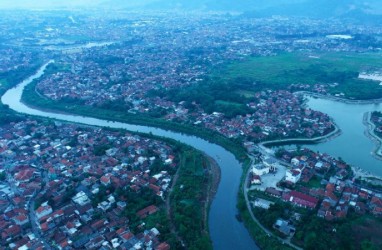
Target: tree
[[3, 176]]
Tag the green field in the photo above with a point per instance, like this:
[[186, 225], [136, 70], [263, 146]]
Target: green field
[[3, 83], [279, 72]]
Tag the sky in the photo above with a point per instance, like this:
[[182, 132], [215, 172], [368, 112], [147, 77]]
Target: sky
[[39, 4], [284, 7]]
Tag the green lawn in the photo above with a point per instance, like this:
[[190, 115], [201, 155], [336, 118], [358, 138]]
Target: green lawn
[[313, 183], [3, 82], [278, 72]]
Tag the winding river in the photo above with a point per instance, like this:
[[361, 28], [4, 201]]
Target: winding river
[[226, 232]]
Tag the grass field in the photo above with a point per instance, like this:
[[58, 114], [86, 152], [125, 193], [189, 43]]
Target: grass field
[[279, 72]]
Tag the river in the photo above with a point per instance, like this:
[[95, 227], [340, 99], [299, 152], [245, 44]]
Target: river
[[353, 146], [226, 232], [74, 48]]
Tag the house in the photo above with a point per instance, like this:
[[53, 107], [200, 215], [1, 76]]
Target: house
[[81, 198], [300, 199], [295, 161], [262, 203], [24, 175], [43, 210], [105, 180], [271, 163], [21, 219], [11, 232], [284, 227], [163, 246], [147, 211], [255, 180], [273, 192], [293, 175]]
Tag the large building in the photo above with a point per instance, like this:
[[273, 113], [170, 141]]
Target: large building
[[260, 169], [300, 199]]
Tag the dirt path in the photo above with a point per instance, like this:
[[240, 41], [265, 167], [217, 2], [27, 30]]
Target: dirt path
[[169, 210], [213, 184]]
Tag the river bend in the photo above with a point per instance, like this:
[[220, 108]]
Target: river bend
[[225, 231]]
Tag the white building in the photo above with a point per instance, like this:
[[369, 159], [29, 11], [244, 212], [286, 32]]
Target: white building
[[43, 210], [81, 198], [269, 162], [263, 203], [260, 169], [295, 161], [255, 180], [293, 175]]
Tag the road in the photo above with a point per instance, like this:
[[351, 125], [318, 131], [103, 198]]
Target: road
[[32, 215], [169, 210], [245, 190], [370, 128]]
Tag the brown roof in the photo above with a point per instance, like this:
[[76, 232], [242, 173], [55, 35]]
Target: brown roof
[[163, 246], [147, 211]]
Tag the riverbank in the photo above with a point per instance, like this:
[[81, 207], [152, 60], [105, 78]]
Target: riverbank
[[213, 185], [338, 99], [369, 132], [336, 132]]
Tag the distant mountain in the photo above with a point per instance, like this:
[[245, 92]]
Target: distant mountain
[[363, 10], [359, 9], [211, 5], [47, 4], [287, 6], [324, 8], [201, 4]]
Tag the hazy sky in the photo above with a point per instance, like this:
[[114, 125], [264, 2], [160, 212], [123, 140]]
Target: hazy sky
[[340, 6], [47, 3]]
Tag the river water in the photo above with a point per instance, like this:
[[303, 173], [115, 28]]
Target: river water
[[226, 232], [353, 146]]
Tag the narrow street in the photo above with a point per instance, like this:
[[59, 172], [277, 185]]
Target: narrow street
[[268, 232], [168, 208], [33, 218]]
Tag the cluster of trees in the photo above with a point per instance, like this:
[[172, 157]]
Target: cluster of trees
[[313, 232], [316, 233], [8, 80], [263, 240], [213, 95], [269, 217], [188, 201]]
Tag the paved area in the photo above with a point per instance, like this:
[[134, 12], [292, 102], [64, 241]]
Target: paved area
[[271, 179]]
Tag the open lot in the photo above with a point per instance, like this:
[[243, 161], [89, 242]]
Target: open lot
[[271, 179], [279, 72]]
